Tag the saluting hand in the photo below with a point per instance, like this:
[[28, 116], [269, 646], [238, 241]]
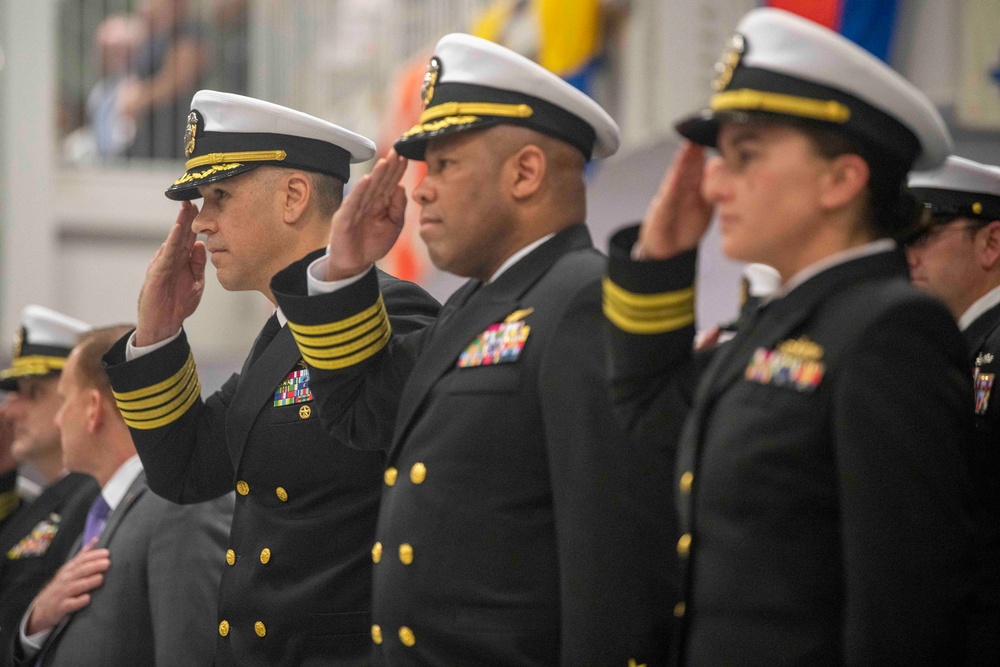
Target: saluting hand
[[174, 282], [678, 215], [369, 221], [69, 591]]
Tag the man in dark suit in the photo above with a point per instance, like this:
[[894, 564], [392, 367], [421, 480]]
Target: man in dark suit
[[518, 526], [296, 589], [821, 478], [36, 537], [955, 255], [142, 586]]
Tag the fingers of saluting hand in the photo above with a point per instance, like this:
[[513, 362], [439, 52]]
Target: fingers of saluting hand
[[181, 238]]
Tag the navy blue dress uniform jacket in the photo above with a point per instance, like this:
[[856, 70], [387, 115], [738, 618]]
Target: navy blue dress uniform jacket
[[35, 542], [822, 463], [297, 587], [983, 337], [518, 526]]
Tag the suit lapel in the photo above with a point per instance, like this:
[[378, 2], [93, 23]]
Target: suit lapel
[[115, 519], [136, 490], [470, 312], [255, 389]]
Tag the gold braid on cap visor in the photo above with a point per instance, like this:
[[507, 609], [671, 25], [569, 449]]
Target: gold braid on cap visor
[[803, 107]]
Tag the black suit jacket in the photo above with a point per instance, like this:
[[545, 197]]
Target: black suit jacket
[[821, 479], [35, 541], [518, 525], [297, 587], [983, 337]]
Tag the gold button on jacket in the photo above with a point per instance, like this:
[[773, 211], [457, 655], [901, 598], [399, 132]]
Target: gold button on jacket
[[405, 554], [390, 476], [224, 628], [259, 628], [406, 636], [418, 473], [231, 557], [242, 488]]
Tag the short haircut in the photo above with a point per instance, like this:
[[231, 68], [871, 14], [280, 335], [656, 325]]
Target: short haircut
[[91, 347], [328, 191]]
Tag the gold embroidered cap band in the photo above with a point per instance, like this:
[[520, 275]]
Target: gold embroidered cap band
[[780, 65], [229, 134], [42, 345], [474, 84]]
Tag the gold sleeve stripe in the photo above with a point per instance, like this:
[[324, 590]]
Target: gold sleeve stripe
[[340, 325], [160, 398], [9, 501], [746, 99], [352, 360], [166, 404], [159, 386], [648, 313], [343, 350], [337, 339], [147, 425]]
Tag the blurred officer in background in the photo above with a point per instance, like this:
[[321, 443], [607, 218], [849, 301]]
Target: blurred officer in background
[[35, 538], [142, 585], [955, 255], [821, 480]]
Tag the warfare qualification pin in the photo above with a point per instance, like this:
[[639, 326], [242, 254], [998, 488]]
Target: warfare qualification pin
[[430, 80], [190, 133], [729, 61]]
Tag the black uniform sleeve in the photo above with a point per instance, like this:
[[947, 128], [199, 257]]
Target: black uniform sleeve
[[652, 370], [360, 344], [180, 438]]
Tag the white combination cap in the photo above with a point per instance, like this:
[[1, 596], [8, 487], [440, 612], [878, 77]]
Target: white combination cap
[[230, 134], [472, 83], [45, 340], [960, 189], [783, 65]]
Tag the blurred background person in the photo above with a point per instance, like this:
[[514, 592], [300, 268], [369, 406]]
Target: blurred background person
[[36, 538], [954, 254], [142, 586], [169, 65]]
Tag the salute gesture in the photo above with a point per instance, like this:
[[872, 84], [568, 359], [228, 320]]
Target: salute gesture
[[174, 282], [369, 221], [678, 215]]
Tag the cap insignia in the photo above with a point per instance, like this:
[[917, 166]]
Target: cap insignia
[[729, 61], [430, 80], [18, 342], [191, 133]]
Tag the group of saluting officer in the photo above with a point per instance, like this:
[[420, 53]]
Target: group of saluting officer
[[544, 470]]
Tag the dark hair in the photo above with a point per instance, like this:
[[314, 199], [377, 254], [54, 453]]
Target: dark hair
[[329, 192], [91, 347], [889, 209]]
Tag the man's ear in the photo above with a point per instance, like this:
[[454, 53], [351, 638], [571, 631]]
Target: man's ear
[[95, 411], [988, 245], [296, 192], [847, 178], [527, 169]]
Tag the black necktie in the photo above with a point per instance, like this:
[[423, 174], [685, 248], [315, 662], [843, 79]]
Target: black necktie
[[264, 338]]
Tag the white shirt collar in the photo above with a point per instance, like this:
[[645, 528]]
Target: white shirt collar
[[282, 320], [830, 261], [517, 256], [119, 484], [978, 307]]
